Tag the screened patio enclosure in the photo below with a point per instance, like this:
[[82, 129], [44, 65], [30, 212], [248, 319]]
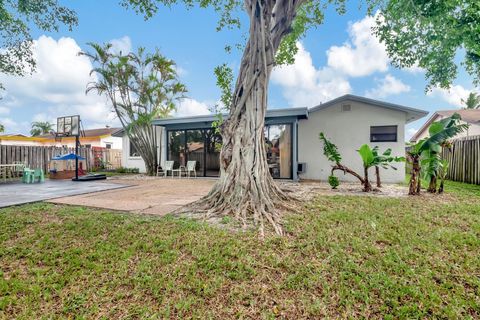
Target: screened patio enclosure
[[193, 138]]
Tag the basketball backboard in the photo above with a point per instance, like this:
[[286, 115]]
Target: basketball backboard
[[68, 126]]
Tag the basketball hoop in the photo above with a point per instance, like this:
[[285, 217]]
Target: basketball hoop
[[66, 127]]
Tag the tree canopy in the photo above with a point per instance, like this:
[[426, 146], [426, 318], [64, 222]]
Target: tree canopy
[[472, 101], [16, 19], [430, 35], [41, 127], [141, 87]]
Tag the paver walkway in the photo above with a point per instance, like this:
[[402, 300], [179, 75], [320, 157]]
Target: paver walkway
[[149, 195]]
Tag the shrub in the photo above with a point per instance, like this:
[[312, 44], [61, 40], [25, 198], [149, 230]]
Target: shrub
[[333, 181]]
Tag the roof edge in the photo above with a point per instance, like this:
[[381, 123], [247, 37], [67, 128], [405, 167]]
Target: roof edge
[[419, 112]]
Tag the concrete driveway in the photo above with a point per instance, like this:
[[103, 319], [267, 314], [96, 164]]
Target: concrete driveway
[[146, 195]]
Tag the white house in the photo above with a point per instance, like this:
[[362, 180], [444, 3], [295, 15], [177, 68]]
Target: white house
[[469, 116], [294, 150]]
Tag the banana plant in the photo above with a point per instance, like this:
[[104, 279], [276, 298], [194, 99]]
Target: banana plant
[[440, 132], [330, 151], [443, 171], [385, 161], [425, 155], [368, 158]]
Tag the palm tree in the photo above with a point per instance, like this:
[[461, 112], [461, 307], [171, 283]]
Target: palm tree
[[40, 128], [472, 102], [141, 87], [2, 128]]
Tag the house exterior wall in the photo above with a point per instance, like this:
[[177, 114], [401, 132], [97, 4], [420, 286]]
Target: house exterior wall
[[116, 142], [349, 130], [13, 142], [137, 162]]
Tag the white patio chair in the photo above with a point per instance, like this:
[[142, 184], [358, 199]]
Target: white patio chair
[[191, 167], [168, 167]]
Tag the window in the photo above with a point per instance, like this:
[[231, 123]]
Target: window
[[133, 151], [383, 134], [108, 145]]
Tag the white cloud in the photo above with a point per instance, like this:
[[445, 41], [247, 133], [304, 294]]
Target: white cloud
[[304, 85], [410, 133], [4, 110], [362, 55], [58, 85], [453, 96], [191, 107], [12, 126], [122, 45], [389, 85]]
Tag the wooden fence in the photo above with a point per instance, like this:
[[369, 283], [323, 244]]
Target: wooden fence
[[39, 156], [464, 160]]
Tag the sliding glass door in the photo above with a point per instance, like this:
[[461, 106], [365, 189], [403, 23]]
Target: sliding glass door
[[278, 139], [196, 149], [203, 146]]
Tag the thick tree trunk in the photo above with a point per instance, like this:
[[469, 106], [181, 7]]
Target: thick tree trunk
[[245, 188], [415, 181], [367, 187], [377, 173], [347, 170], [432, 187]]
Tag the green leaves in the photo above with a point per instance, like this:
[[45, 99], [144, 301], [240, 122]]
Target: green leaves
[[40, 127], [141, 87], [367, 155], [16, 19], [330, 150], [472, 102], [429, 34], [441, 131]]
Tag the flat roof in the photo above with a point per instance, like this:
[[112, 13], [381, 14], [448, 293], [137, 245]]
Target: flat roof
[[299, 113]]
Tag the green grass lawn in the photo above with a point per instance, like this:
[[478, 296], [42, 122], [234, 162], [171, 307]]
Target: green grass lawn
[[344, 257]]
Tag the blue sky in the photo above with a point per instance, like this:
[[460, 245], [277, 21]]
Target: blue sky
[[340, 56]]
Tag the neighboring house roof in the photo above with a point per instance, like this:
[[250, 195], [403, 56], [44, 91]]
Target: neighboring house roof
[[18, 137], [412, 113], [91, 133], [469, 116]]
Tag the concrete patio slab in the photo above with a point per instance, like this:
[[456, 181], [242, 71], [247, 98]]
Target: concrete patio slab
[[148, 195], [19, 193]]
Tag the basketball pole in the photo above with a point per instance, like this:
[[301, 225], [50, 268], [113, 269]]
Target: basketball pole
[[77, 142]]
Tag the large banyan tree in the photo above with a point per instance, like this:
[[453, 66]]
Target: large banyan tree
[[245, 188]]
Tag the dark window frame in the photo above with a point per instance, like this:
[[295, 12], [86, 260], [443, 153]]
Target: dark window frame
[[130, 148], [384, 134]]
